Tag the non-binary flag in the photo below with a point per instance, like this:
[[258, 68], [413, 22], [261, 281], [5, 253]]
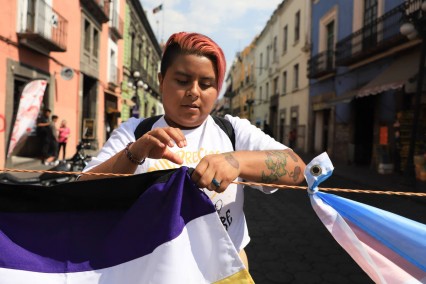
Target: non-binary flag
[[157, 9], [150, 228], [388, 247]]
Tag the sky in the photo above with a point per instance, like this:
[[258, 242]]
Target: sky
[[233, 24]]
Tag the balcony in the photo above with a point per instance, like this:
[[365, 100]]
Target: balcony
[[99, 9], [116, 26], [321, 64], [42, 28], [113, 75], [372, 39]]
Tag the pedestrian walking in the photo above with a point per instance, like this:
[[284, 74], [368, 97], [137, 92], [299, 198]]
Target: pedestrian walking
[[64, 133], [54, 141], [45, 134], [191, 76]]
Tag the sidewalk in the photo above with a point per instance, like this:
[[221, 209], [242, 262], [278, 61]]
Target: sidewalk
[[370, 178], [24, 163]]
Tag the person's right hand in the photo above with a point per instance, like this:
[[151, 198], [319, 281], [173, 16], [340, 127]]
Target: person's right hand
[[155, 144]]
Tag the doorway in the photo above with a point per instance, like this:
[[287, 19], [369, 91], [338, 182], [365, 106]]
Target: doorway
[[364, 129]]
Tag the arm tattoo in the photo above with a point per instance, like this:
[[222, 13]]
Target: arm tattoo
[[276, 162], [232, 161]]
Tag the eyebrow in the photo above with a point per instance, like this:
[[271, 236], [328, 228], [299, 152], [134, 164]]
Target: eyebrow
[[181, 73]]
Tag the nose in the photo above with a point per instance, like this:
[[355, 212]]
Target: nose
[[194, 91]]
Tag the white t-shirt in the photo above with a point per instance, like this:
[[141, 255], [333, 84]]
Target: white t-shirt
[[206, 139]]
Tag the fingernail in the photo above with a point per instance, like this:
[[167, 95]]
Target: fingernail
[[171, 143]]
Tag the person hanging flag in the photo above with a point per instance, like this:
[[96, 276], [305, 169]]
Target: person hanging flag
[[388, 247], [157, 9]]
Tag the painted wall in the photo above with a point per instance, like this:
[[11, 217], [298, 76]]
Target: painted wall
[[25, 62], [65, 96]]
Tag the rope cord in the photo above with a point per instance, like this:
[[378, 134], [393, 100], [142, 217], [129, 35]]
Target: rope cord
[[419, 194]]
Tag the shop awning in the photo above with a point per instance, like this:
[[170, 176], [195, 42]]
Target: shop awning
[[345, 98], [393, 77]]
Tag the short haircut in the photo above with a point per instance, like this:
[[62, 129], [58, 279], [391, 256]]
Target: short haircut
[[196, 44], [54, 116]]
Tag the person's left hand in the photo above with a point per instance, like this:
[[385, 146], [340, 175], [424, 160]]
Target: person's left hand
[[224, 168]]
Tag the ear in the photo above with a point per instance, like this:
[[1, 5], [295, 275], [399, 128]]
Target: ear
[[160, 80]]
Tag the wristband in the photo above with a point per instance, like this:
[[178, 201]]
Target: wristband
[[130, 156]]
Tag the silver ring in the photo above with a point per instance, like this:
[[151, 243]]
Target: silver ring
[[215, 182]]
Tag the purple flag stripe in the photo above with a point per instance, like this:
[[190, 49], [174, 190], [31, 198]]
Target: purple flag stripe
[[59, 242]]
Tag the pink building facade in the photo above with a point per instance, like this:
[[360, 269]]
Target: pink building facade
[[76, 46]]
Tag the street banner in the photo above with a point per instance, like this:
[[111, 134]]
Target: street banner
[[156, 227], [388, 247], [28, 110]]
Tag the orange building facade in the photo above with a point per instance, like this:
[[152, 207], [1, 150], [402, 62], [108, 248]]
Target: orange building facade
[[77, 47]]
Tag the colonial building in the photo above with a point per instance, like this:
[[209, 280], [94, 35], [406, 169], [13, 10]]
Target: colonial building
[[140, 87], [70, 44], [282, 88], [364, 74], [247, 85]]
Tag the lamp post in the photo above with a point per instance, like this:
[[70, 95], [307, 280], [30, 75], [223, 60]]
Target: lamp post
[[413, 28], [136, 83]]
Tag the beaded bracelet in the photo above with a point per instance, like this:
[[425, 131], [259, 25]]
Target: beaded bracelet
[[131, 157]]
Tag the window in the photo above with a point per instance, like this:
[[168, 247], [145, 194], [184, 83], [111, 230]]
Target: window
[[91, 38], [370, 28], [261, 63], [132, 48], [370, 11], [268, 55], [285, 40], [275, 86], [142, 49], [139, 55], [260, 93], [284, 82], [31, 16], [147, 59], [274, 54], [247, 74], [330, 44], [267, 91], [112, 67], [297, 26], [95, 50], [86, 35], [296, 77]]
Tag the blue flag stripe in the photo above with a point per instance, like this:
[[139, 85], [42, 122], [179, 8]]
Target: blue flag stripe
[[404, 236]]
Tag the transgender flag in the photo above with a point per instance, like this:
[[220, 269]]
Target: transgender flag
[[388, 247], [151, 228]]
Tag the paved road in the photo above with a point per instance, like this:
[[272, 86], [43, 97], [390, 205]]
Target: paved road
[[290, 244]]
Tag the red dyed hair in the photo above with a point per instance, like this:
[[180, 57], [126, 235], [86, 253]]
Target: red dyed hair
[[197, 44]]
